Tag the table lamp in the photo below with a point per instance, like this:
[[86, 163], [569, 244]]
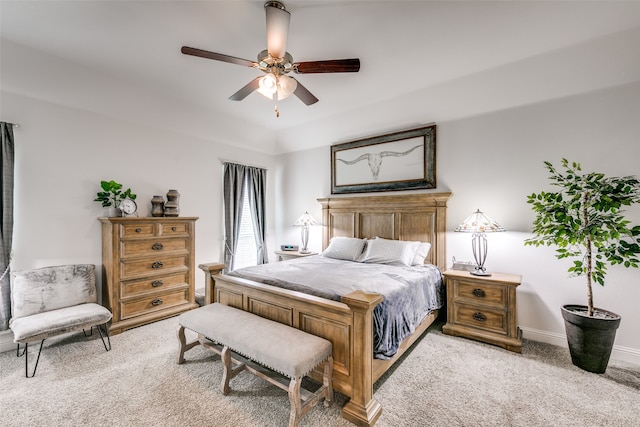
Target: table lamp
[[305, 221], [479, 224]]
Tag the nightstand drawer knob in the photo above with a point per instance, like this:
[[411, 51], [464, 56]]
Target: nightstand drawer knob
[[478, 293], [479, 317], [157, 246], [157, 264], [156, 283], [156, 301]]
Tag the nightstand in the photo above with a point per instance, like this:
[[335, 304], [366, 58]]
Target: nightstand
[[483, 308], [286, 255]]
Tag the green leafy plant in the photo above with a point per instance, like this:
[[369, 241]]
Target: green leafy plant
[[585, 221], [112, 194]]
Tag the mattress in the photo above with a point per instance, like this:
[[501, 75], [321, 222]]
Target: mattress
[[410, 293]]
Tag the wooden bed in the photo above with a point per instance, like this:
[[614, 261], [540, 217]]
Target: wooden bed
[[347, 324]]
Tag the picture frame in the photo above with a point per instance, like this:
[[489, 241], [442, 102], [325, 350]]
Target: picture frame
[[404, 160]]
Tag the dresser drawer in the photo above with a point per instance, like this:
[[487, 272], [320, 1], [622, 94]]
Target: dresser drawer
[[138, 230], [153, 266], [480, 293], [153, 303], [158, 284], [174, 229], [152, 246], [480, 318]]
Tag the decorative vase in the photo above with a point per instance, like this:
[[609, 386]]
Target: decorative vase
[[157, 206], [590, 339], [114, 212], [171, 206]]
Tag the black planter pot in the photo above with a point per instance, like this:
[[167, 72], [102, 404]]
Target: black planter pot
[[590, 339]]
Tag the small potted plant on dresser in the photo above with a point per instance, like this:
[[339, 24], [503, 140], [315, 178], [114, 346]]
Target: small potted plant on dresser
[[112, 195], [584, 220]]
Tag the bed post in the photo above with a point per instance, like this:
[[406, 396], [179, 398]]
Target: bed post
[[362, 409], [209, 270]]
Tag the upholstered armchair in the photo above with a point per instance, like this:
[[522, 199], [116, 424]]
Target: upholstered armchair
[[52, 301]]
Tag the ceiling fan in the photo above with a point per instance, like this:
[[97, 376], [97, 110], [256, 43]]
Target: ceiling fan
[[276, 62]]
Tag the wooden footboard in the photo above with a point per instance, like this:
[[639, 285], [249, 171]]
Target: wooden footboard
[[347, 324]]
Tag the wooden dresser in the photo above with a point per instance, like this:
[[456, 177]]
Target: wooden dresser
[[148, 269], [483, 308]]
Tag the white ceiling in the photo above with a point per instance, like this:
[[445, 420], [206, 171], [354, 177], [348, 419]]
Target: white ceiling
[[439, 50]]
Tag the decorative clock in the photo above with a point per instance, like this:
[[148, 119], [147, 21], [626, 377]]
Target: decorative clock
[[128, 207]]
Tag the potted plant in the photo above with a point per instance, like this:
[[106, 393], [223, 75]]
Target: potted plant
[[112, 194], [584, 220]]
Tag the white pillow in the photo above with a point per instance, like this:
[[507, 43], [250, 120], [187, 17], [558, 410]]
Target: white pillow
[[346, 248], [385, 251], [421, 253]]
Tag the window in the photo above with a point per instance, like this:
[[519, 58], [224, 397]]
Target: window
[[246, 252]]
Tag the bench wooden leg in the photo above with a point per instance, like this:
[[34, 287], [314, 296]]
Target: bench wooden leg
[[327, 381], [229, 371], [296, 403], [184, 347]]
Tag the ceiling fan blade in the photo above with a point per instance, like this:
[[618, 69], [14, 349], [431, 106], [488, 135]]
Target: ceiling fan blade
[[277, 28], [330, 66], [304, 95], [217, 56], [246, 90]]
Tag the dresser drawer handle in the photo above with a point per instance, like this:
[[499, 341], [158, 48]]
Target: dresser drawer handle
[[138, 230], [157, 246], [479, 317], [156, 283], [174, 229], [156, 301], [157, 264], [478, 293]]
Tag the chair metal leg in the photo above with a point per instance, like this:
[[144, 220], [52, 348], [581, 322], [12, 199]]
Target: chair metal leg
[[106, 332], [25, 353]]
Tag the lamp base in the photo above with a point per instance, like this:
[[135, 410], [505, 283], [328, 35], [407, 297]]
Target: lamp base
[[480, 273], [304, 251]]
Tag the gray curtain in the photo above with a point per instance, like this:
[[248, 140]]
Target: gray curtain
[[6, 222], [235, 177], [257, 186], [233, 193]]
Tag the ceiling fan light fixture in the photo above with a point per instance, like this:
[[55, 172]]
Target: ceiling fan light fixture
[[286, 86], [268, 85]]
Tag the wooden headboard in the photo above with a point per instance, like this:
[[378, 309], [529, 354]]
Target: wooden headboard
[[421, 217]]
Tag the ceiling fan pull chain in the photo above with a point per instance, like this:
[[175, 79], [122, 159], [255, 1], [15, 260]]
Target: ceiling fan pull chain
[[275, 108]]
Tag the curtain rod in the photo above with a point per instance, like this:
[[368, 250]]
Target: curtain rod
[[223, 161]]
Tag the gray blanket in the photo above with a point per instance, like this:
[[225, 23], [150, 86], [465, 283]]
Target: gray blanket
[[410, 293]]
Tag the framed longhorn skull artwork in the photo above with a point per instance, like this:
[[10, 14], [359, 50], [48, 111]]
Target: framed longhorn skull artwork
[[403, 160]]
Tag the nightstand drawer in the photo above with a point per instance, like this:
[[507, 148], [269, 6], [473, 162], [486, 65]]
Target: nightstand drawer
[[480, 318], [475, 292]]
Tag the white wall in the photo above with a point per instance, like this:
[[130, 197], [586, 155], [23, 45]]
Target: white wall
[[62, 154], [492, 162]]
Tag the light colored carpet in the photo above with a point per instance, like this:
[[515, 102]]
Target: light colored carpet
[[443, 381]]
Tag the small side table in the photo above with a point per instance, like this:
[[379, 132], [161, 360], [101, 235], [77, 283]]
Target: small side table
[[483, 308], [286, 255]]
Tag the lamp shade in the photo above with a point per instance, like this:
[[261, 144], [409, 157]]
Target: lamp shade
[[305, 220], [478, 222]]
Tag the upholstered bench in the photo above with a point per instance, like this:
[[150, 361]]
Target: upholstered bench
[[264, 344]]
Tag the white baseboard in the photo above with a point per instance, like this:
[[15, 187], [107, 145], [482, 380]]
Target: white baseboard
[[6, 341], [625, 354]]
